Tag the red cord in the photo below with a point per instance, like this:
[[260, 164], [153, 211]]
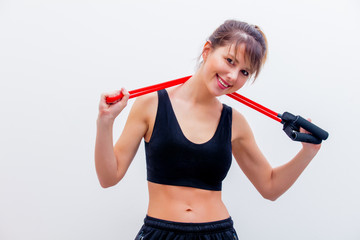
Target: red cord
[[255, 106], [156, 87], [146, 90]]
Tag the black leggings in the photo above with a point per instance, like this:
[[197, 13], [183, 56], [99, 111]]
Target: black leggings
[[157, 229]]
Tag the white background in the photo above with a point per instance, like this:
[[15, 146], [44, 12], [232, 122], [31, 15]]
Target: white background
[[57, 57]]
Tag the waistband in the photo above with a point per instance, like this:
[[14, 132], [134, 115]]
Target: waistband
[[207, 227]]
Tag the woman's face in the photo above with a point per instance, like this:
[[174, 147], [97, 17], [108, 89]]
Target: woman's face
[[225, 72]]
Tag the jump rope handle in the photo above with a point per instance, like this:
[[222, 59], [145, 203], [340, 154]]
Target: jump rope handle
[[292, 126], [114, 99]]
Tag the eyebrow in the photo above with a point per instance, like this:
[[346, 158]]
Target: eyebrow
[[233, 57]]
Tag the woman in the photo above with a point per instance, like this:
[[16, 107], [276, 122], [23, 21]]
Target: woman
[[190, 138]]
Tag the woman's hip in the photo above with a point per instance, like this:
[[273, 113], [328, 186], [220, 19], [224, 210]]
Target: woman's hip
[[158, 229]]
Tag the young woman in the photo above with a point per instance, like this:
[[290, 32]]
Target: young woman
[[190, 138]]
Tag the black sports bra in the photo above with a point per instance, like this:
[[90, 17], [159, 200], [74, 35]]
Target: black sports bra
[[172, 159]]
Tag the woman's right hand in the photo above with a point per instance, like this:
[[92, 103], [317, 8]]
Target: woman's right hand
[[111, 111]]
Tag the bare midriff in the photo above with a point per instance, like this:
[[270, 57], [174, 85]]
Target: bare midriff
[[185, 204]]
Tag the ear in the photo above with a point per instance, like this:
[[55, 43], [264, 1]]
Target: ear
[[206, 50]]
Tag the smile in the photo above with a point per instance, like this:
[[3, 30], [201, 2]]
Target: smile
[[221, 82]]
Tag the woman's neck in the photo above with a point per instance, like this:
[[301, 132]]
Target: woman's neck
[[195, 91]]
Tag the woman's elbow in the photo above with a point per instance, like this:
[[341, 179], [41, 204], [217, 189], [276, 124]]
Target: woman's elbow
[[106, 183], [270, 195]]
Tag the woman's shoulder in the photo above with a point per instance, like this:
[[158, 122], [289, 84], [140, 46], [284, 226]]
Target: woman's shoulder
[[147, 99], [145, 105], [237, 116], [240, 126]]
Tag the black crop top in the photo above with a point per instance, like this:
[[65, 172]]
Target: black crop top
[[172, 159]]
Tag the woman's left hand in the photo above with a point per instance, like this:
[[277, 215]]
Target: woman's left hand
[[310, 146]]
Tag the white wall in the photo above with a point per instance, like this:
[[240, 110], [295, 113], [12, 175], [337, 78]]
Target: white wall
[[56, 57]]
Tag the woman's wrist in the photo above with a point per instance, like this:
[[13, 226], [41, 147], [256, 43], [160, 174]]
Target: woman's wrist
[[105, 119], [310, 151]]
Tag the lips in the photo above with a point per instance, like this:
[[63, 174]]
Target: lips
[[222, 83]]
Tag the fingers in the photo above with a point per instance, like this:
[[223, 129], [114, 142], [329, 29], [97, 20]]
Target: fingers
[[123, 93], [104, 96], [121, 104], [114, 108], [310, 146], [303, 130]]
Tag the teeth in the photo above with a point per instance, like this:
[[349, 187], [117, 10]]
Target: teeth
[[222, 83]]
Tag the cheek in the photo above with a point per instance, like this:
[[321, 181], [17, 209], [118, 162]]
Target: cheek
[[240, 82], [215, 65]]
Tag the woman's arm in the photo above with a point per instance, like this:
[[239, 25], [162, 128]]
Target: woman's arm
[[111, 161], [270, 182]]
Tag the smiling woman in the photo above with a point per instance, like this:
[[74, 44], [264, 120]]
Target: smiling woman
[[190, 137], [231, 72], [251, 38]]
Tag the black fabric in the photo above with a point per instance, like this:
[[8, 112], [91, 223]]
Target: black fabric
[[172, 159], [157, 229]]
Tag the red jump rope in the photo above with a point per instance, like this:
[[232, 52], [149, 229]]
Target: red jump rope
[[291, 123]]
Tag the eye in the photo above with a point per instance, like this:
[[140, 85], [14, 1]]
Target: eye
[[229, 60], [245, 73]]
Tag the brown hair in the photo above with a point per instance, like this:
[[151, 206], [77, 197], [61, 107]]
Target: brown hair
[[237, 32]]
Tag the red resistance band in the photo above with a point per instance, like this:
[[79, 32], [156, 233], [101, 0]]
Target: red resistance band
[[291, 123], [236, 96]]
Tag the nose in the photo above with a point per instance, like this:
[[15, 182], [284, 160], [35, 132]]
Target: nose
[[232, 76]]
